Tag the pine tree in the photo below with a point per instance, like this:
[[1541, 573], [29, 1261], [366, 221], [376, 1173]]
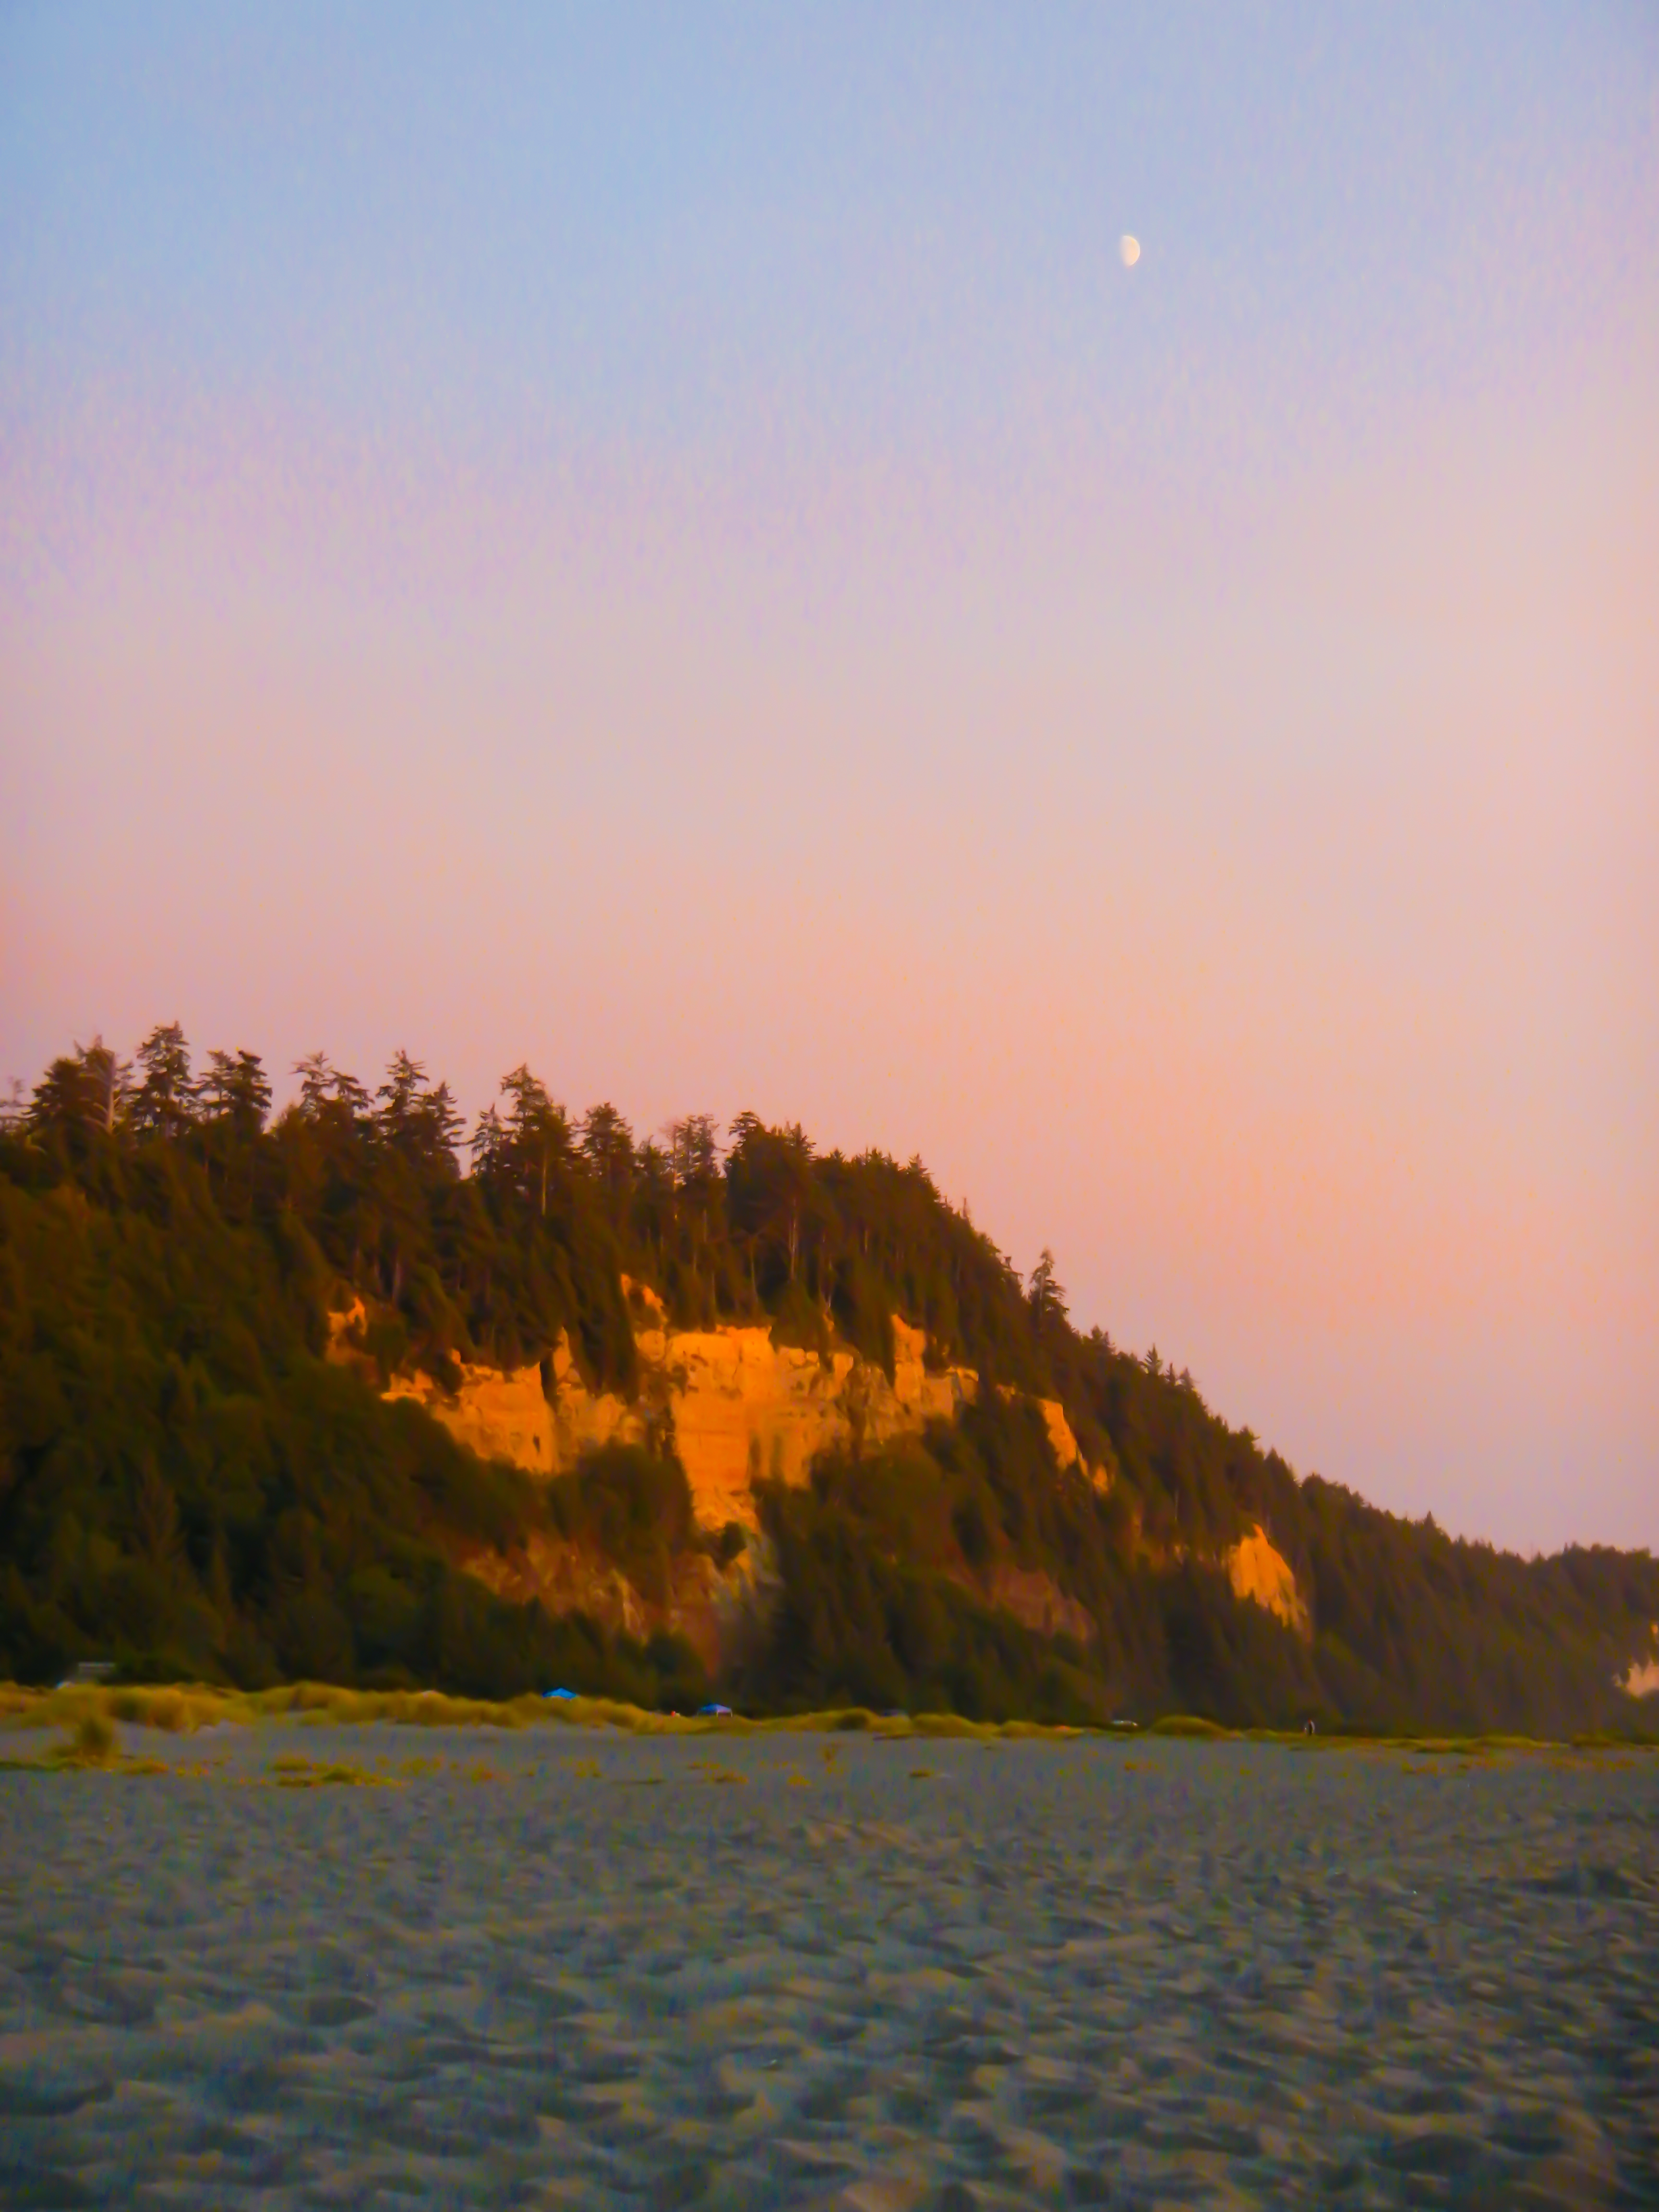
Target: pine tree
[[538, 1133], [607, 1145], [1044, 1295], [87, 1089], [694, 1149], [238, 1090], [164, 1105]]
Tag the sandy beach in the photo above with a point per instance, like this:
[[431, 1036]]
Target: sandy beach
[[385, 1966]]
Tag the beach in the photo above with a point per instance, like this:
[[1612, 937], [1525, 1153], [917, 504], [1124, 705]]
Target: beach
[[380, 1966]]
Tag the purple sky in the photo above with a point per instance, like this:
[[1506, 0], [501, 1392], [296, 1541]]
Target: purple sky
[[668, 542]]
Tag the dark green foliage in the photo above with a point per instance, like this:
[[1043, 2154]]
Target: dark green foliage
[[899, 1569], [1234, 1663], [884, 1605], [185, 1484], [185, 1481], [1413, 1625], [631, 1507]]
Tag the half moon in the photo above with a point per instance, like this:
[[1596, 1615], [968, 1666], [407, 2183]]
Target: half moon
[[1130, 249]]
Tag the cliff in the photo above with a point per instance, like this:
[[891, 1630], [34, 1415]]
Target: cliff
[[1642, 1679], [713, 1608], [738, 1408], [737, 1405], [183, 1489], [1258, 1572]]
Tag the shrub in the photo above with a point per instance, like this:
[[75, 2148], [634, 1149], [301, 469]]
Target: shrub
[[93, 1743]]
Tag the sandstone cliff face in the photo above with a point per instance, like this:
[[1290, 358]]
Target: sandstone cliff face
[[714, 1609], [1643, 1678], [1259, 1573], [1037, 1601], [500, 1413], [739, 1408]]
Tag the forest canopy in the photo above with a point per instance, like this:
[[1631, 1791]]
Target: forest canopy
[[186, 1480]]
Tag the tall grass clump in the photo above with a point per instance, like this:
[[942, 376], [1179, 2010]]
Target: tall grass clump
[[92, 1742]]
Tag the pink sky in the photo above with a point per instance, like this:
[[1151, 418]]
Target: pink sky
[[1217, 829]]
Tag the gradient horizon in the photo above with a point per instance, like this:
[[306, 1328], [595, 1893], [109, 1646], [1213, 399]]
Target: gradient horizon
[[669, 544]]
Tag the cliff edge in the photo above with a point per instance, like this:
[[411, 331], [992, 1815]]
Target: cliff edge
[[737, 1407]]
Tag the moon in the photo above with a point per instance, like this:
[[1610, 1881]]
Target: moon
[[1130, 249]]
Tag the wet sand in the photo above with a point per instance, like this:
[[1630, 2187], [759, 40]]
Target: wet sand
[[579, 1969]]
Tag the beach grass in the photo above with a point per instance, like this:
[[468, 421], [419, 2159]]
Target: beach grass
[[185, 1709]]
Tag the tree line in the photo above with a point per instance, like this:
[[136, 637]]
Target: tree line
[[184, 1475]]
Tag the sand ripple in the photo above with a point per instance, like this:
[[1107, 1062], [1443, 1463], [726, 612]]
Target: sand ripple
[[526, 1975]]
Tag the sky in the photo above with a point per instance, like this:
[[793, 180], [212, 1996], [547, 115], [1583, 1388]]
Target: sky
[[667, 541]]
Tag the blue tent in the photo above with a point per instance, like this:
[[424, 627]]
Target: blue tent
[[559, 1694]]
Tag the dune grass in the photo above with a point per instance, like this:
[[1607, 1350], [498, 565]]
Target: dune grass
[[295, 1773], [92, 1742], [183, 1708]]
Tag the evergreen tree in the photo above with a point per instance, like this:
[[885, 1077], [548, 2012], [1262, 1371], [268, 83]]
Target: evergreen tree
[[772, 1189], [1046, 1297], [316, 1082], [419, 1120], [87, 1089], [694, 1151], [237, 1092], [185, 1482], [537, 1134], [607, 1145], [164, 1103]]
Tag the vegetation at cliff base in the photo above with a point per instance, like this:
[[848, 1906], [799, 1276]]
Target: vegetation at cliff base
[[189, 1483]]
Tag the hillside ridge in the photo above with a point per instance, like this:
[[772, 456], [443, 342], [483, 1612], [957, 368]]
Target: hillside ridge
[[738, 1410], [307, 1395]]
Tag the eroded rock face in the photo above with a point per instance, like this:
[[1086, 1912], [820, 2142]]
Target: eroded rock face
[[741, 1408], [1643, 1678], [713, 1608], [1037, 1601], [738, 1408], [1067, 1449], [499, 1413], [1259, 1573]]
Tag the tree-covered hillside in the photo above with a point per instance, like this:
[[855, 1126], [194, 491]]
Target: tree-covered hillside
[[187, 1482]]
